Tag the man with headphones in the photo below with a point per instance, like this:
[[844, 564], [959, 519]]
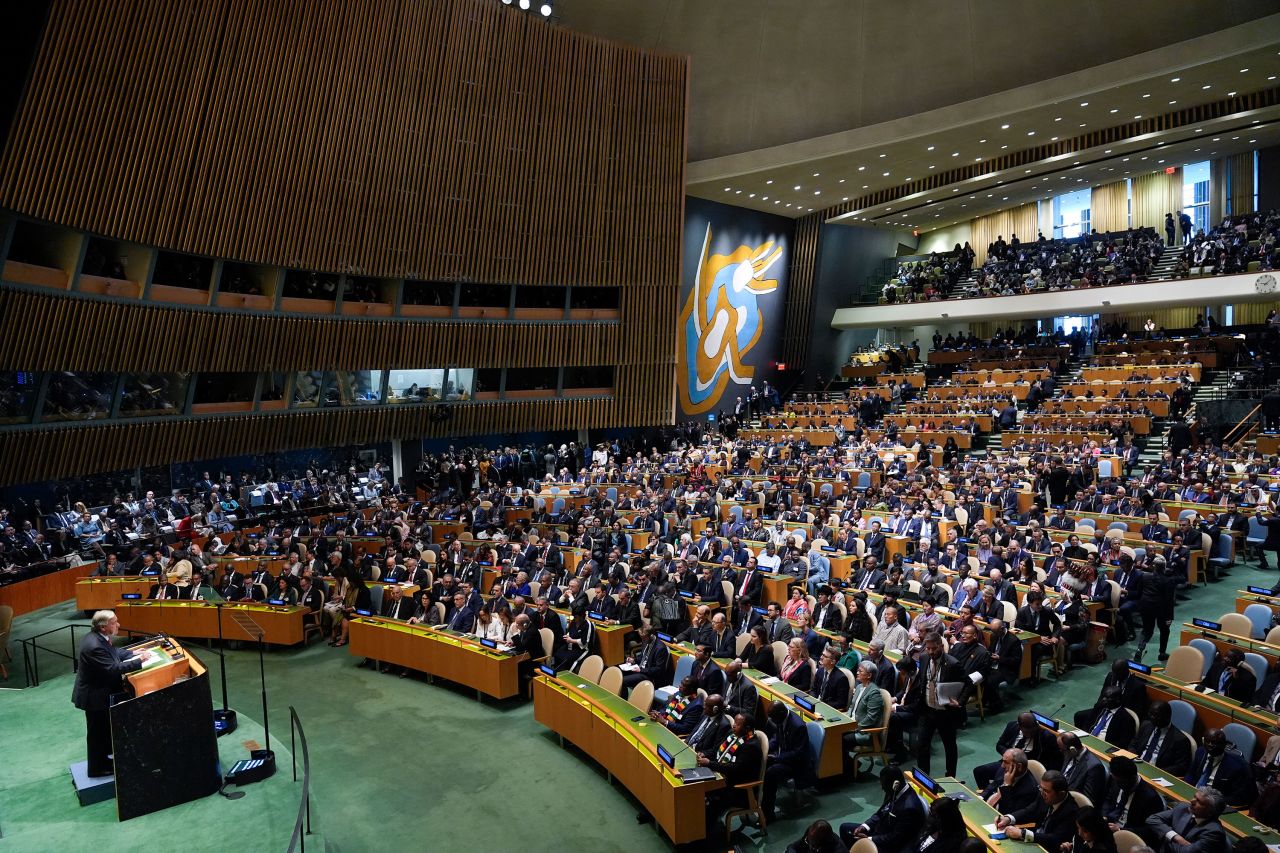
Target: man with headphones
[[1085, 773], [898, 820]]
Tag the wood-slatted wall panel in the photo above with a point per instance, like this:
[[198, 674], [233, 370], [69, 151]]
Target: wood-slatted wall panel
[[457, 139], [78, 333], [49, 454], [800, 283]]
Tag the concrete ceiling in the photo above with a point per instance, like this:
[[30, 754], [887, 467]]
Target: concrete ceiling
[[771, 72]]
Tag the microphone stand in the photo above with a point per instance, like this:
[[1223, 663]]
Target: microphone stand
[[224, 719]]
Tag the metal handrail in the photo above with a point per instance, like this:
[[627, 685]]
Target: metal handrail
[[31, 649], [1226, 438], [298, 840]]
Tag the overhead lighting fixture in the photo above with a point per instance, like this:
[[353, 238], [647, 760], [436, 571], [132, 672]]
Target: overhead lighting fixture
[[1147, 95], [931, 147], [1031, 133], [1174, 79], [796, 187], [815, 174], [1004, 127], [524, 4], [545, 9], [1084, 103], [1206, 87], [1243, 70], [770, 181]]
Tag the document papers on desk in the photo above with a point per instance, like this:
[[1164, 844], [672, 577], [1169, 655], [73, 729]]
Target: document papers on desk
[[1162, 782], [768, 679], [628, 667]]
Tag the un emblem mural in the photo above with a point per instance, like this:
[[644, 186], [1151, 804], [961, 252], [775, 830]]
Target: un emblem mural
[[721, 321]]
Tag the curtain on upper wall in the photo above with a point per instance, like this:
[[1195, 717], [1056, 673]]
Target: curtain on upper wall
[[1245, 313], [1155, 195], [1182, 317], [1240, 181], [1023, 220], [1109, 207]]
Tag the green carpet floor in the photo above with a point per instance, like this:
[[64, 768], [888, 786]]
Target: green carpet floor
[[399, 761]]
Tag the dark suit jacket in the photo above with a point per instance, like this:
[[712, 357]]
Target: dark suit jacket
[[1262, 696], [1144, 804], [745, 764], [605, 605], [689, 722], [529, 643], [629, 615], [1120, 730], [896, 823], [1240, 686], [754, 586], [1024, 791], [789, 745], [1209, 836], [710, 677], [100, 672], [400, 609], [170, 591], [834, 690], [1009, 649], [1043, 748], [1234, 777], [1175, 753], [653, 660], [831, 620], [741, 696], [1051, 827], [1088, 776], [712, 734]]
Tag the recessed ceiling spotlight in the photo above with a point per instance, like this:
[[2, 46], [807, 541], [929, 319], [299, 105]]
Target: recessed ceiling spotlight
[[1206, 87], [884, 155], [817, 192], [815, 174], [1137, 117], [765, 198], [886, 174], [842, 180], [933, 167], [977, 159], [1147, 95], [1084, 103], [1115, 110], [955, 153], [980, 141], [931, 147], [1031, 133], [752, 195], [728, 189], [1175, 79], [1171, 103], [769, 181], [1004, 127], [796, 187], [1243, 70], [1231, 94], [862, 168], [737, 192]]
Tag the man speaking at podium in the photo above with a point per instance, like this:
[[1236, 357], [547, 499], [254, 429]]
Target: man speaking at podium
[[99, 674]]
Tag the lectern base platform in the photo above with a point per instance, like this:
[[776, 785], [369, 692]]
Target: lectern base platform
[[91, 789]]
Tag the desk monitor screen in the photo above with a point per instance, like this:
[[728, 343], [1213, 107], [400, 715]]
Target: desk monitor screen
[[360, 612], [371, 533], [684, 593], [925, 782], [489, 644], [278, 602], [599, 617], [761, 610], [804, 702], [151, 573], [666, 638], [1205, 623], [1047, 722], [1139, 667], [131, 596], [829, 548], [667, 758], [547, 670], [1259, 590]]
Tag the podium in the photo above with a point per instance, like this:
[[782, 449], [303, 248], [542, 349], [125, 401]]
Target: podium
[[166, 750]]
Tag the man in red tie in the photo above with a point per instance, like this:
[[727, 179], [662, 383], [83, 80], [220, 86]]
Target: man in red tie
[[751, 583]]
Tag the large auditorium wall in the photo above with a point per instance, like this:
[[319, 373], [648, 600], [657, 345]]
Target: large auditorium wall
[[847, 255], [732, 304]]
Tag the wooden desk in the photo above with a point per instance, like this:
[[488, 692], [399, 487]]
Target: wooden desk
[[613, 647], [280, 625], [105, 593], [1226, 642], [1149, 371], [1237, 824], [833, 722], [1244, 598], [1212, 709], [976, 814], [44, 590], [438, 653], [624, 741]]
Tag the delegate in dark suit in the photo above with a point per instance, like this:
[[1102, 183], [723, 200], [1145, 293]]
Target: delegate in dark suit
[[1130, 802], [653, 662], [1164, 746], [1025, 734], [894, 825], [1204, 837], [1023, 792], [99, 674], [1054, 824], [830, 686], [789, 754], [1227, 772]]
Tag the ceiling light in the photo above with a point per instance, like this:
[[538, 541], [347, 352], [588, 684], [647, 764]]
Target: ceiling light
[[817, 192], [933, 167], [1231, 94], [1115, 110], [1205, 87], [955, 153], [886, 174], [752, 195], [862, 168], [1137, 117], [769, 181], [1003, 147], [765, 198], [815, 174], [841, 181], [728, 189], [1171, 103], [1053, 139], [1004, 127], [524, 4], [977, 159], [1084, 103], [738, 192], [931, 147], [545, 10], [1272, 77], [1147, 95], [884, 155], [1175, 79], [980, 141], [796, 187], [1243, 70]]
